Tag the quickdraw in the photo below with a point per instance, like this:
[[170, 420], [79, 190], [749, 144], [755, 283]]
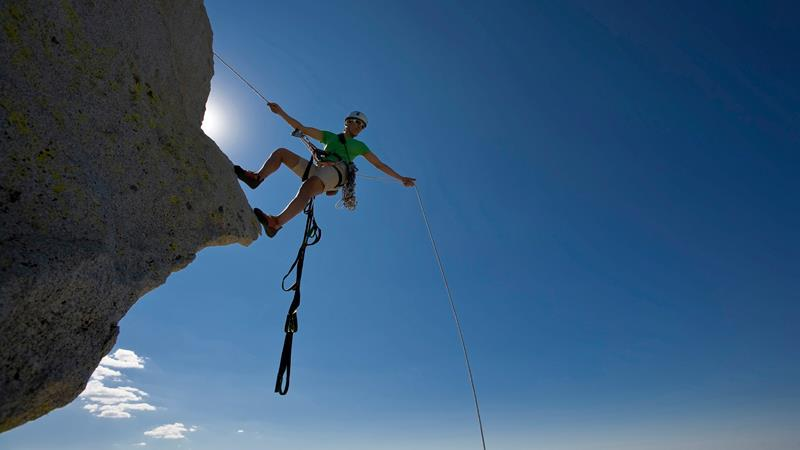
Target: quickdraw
[[317, 154]]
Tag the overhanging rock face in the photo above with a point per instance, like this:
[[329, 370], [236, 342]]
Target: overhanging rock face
[[107, 183]]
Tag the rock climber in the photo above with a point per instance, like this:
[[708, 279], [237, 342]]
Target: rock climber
[[325, 175]]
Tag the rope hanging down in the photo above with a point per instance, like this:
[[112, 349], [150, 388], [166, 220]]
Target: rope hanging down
[[455, 316]]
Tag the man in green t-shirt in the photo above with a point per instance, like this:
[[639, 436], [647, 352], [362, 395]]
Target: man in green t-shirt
[[327, 175]]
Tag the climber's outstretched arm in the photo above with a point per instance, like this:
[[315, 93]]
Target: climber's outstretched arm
[[294, 123], [383, 167]]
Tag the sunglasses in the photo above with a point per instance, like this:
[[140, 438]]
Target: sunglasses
[[358, 121]]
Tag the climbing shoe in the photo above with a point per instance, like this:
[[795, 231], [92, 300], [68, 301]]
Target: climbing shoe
[[250, 178], [268, 222]]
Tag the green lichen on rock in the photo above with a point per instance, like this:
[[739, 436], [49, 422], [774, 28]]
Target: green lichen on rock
[[14, 24], [11, 16], [19, 121]]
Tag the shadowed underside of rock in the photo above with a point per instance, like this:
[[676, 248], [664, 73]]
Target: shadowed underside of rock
[[107, 183]]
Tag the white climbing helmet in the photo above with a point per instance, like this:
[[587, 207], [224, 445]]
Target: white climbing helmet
[[358, 115]]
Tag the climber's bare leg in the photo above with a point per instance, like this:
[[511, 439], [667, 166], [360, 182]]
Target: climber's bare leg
[[309, 189], [280, 156]]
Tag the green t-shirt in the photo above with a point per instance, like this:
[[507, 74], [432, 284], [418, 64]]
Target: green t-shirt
[[332, 145]]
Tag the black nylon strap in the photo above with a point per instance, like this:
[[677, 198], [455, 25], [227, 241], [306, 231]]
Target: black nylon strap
[[308, 169], [343, 141], [311, 236], [341, 178], [285, 365]]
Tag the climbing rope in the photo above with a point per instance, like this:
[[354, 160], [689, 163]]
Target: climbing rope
[[240, 77], [449, 298], [455, 316], [311, 236]]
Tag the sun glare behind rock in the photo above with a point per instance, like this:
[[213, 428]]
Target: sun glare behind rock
[[214, 122]]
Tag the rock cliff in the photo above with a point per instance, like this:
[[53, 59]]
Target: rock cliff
[[107, 182]]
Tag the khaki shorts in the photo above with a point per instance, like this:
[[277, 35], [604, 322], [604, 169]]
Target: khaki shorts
[[328, 175]]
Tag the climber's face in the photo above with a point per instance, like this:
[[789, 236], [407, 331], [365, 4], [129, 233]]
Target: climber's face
[[353, 126]]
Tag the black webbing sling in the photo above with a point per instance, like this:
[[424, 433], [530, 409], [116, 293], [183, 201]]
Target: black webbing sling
[[311, 236]]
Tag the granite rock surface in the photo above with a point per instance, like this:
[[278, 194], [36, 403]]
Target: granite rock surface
[[107, 182]]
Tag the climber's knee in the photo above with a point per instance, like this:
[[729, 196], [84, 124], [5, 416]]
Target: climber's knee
[[287, 157]]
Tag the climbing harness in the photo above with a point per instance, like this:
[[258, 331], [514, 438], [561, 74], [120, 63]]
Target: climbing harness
[[312, 236], [347, 181]]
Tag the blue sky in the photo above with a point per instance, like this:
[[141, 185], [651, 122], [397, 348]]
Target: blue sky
[[613, 191]]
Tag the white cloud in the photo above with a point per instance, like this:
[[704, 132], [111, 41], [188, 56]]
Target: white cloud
[[97, 392], [123, 359], [140, 444], [170, 431], [119, 410], [102, 372], [114, 402], [240, 431]]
